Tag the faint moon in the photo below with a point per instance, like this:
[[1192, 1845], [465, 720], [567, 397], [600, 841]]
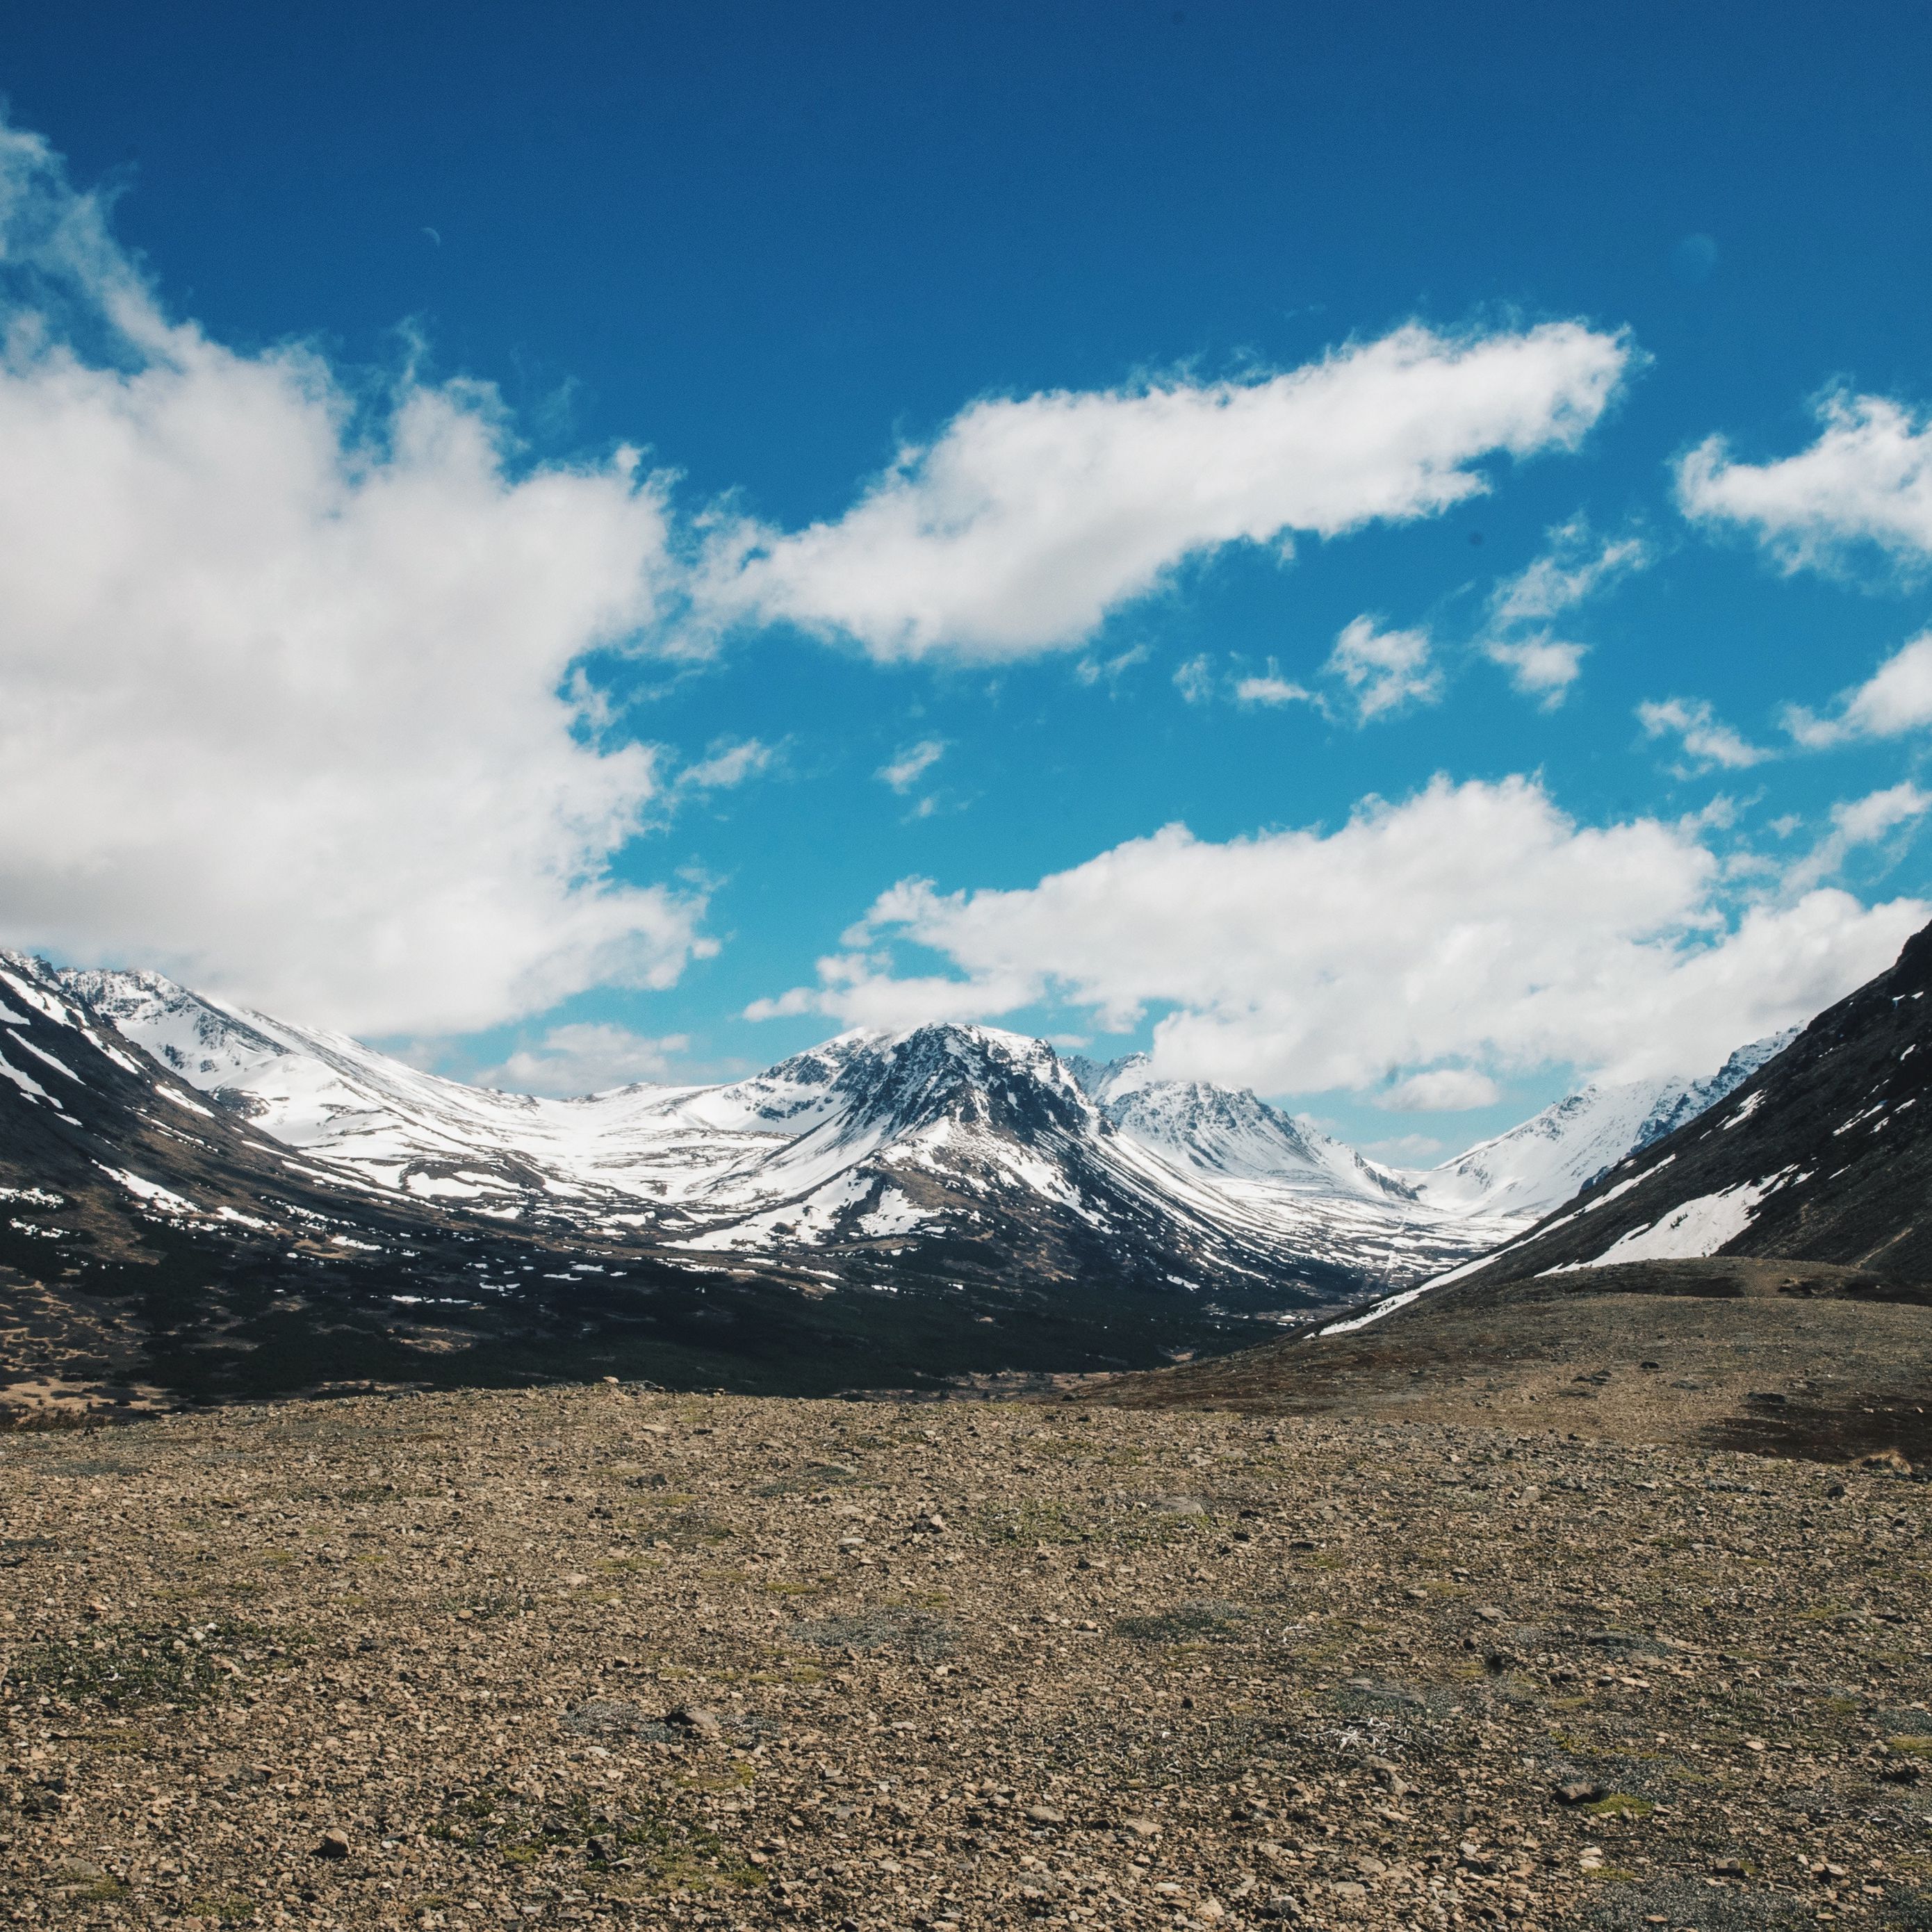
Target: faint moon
[[1694, 259]]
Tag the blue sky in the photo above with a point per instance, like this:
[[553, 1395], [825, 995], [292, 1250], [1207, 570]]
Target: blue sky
[[773, 250]]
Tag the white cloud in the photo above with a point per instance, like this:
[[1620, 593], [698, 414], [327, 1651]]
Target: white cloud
[[1857, 822], [1027, 519], [1272, 689], [587, 1057], [1543, 667], [1471, 923], [1195, 679], [1383, 670], [288, 663], [727, 765], [1405, 1151], [1866, 479], [1574, 569], [1895, 699], [1706, 740], [1442, 1089], [912, 764], [1110, 671]]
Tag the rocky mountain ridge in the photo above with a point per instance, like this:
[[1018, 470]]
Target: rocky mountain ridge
[[871, 1143], [881, 1207]]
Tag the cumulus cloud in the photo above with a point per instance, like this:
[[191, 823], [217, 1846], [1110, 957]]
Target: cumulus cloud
[[288, 660], [1473, 924], [1541, 667], [1868, 479], [1575, 567], [912, 764], [1895, 699], [1442, 1090], [588, 1057], [1383, 671], [1705, 740], [1026, 520]]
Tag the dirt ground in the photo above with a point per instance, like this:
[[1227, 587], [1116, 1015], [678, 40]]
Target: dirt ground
[[1784, 1358], [609, 1658]]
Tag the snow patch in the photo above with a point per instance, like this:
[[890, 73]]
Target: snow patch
[[151, 1193], [1697, 1228]]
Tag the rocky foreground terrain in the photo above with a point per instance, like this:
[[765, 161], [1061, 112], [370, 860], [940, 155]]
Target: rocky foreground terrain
[[609, 1658]]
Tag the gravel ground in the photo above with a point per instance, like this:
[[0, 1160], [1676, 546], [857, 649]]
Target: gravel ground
[[607, 1657]]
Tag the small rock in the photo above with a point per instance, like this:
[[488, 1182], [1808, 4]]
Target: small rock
[[335, 1845], [1729, 1867], [1045, 1814], [696, 1719], [1140, 1827], [1579, 1791]]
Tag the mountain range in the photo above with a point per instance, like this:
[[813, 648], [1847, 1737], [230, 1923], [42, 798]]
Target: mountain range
[[1757, 1276], [870, 1208], [1821, 1153]]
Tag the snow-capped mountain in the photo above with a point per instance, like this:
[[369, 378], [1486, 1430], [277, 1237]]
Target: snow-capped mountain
[[1554, 1155], [1820, 1152], [1014, 1208], [952, 1146]]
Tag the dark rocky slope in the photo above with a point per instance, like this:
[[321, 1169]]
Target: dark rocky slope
[[1756, 1279]]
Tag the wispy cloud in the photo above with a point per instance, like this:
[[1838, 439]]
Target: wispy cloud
[[1704, 740], [1110, 671], [1856, 823], [1575, 567], [1196, 680], [727, 765], [1518, 635], [912, 764], [1271, 688]]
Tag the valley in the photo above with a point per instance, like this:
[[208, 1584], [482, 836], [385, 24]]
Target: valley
[[206, 1203]]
